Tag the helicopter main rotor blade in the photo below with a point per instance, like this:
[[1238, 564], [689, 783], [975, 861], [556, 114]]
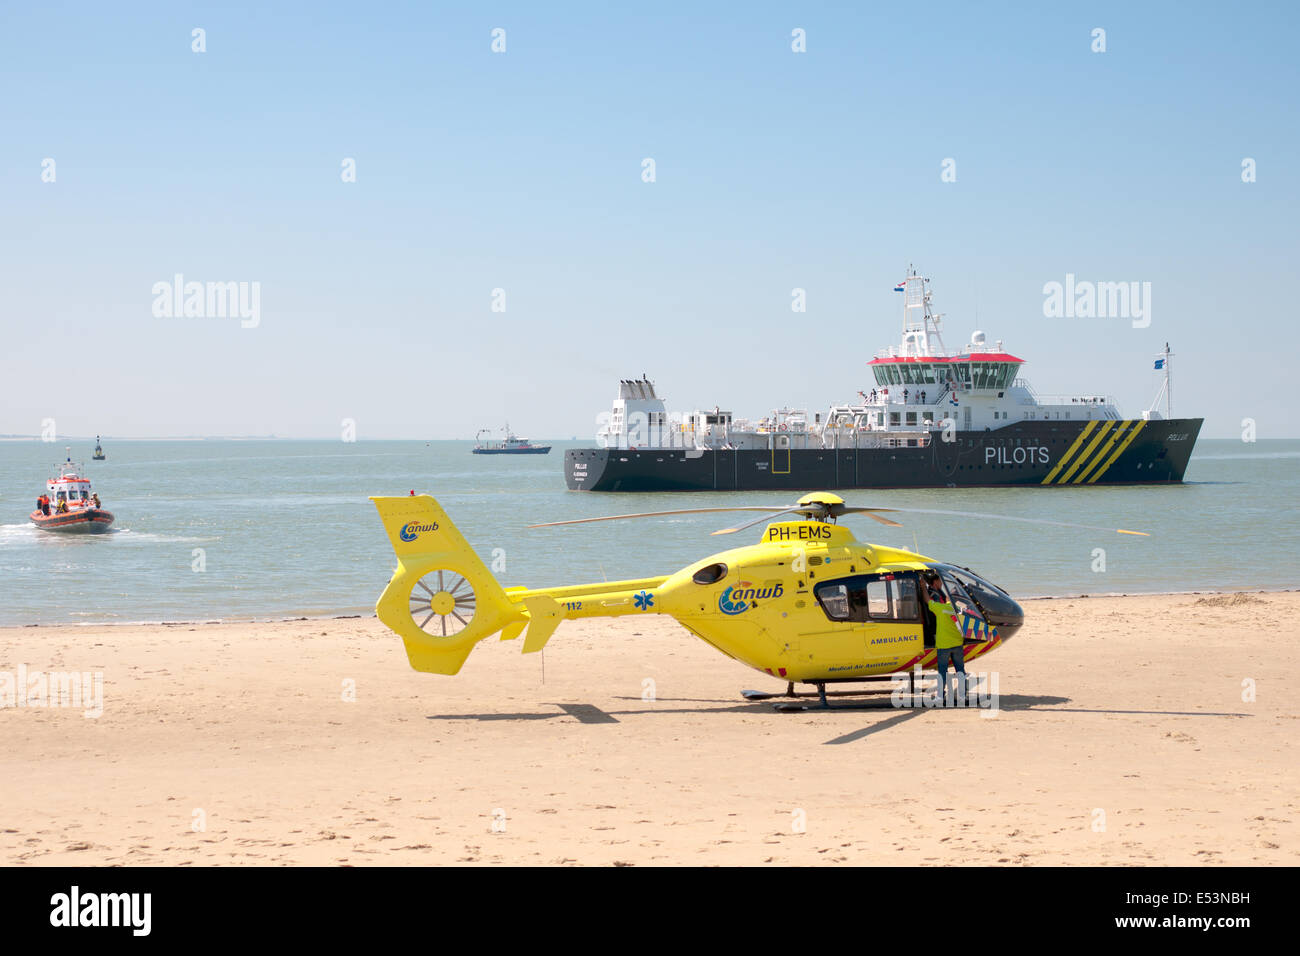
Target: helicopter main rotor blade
[[834, 511], [870, 513], [750, 524], [777, 509], [981, 514]]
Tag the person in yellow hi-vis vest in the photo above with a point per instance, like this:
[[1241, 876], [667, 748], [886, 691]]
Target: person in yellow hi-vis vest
[[947, 641]]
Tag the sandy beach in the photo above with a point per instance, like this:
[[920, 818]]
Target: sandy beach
[[1122, 738]]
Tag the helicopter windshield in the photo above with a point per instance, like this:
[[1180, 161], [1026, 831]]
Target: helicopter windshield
[[961, 600], [994, 604]]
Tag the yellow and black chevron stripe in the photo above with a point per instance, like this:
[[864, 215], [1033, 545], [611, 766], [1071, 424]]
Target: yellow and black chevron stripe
[[1094, 451]]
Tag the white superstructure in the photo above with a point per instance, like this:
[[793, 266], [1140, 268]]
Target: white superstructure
[[920, 387]]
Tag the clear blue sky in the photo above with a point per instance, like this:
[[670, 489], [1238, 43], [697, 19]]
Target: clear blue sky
[[522, 171]]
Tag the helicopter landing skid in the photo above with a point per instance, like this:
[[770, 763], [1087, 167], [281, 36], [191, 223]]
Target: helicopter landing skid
[[793, 701], [763, 695]]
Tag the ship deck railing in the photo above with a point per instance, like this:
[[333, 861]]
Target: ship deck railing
[[899, 351], [846, 436], [1092, 401]]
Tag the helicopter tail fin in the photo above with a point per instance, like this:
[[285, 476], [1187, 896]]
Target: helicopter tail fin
[[441, 599]]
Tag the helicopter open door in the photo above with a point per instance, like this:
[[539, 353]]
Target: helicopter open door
[[961, 603]]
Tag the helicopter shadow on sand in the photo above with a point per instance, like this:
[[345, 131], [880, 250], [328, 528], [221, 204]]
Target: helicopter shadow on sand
[[1013, 703], [591, 714]]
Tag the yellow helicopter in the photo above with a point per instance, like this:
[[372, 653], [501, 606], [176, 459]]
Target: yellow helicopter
[[808, 603]]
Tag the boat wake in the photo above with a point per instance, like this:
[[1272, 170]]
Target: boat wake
[[1263, 455], [9, 532], [150, 536], [29, 532]]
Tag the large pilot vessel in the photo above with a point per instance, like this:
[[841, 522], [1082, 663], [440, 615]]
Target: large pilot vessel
[[936, 418]]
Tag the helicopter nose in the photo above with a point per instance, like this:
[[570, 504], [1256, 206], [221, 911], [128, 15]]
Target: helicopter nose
[[1008, 617], [1001, 609]]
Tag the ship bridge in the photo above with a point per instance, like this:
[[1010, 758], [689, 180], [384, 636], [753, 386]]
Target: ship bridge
[[921, 362], [973, 371], [922, 385]]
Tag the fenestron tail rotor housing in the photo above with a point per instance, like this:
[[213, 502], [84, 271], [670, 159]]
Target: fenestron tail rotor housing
[[442, 602]]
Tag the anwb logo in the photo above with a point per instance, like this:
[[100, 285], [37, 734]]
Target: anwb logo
[[738, 599], [411, 530]]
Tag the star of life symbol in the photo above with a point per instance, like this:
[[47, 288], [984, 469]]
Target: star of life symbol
[[643, 600]]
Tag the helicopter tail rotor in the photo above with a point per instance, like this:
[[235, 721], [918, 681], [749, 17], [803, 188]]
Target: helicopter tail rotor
[[441, 599]]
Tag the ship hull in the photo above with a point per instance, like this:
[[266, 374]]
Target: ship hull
[[1038, 453], [545, 449], [79, 521]]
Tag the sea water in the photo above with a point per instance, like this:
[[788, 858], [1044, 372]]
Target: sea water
[[230, 530]]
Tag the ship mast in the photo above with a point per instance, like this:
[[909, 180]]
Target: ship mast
[[1169, 384], [921, 327], [1166, 387]]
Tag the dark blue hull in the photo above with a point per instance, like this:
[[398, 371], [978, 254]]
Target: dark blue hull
[[1057, 453], [542, 450]]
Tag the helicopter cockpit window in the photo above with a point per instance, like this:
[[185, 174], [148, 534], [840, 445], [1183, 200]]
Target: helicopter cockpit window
[[834, 600], [877, 598], [711, 574], [870, 597]]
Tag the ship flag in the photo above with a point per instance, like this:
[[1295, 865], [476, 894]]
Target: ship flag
[[900, 287], [1160, 363]]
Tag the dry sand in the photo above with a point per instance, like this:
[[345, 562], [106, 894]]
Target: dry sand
[[1129, 706]]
